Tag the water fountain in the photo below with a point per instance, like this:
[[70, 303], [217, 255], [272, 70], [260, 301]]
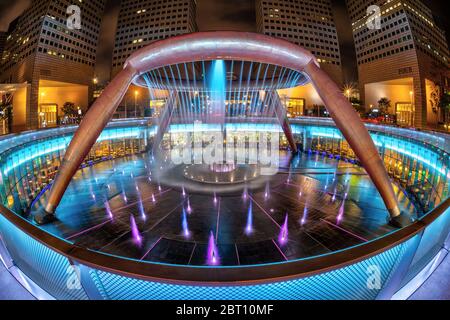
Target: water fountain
[[141, 208], [217, 85], [184, 223], [108, 209], [267, 191], [340, 215], [245, 193], [189, 209], [305, 215], [249, 225], [212, 253], [283, 236], [135, 231]]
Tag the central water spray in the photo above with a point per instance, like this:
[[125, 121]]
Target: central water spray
[[217, 86]]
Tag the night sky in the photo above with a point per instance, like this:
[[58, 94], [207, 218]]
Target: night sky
[[236, 15]]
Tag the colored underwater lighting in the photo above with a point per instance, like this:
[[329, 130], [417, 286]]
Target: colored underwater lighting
[[189, 209], [135, 231], [141, 208], [245, 193], [267, 191], [283, 237], [108, 210], [184, 224], [340, 215], [249, 225], [305, 215], [212, 254]]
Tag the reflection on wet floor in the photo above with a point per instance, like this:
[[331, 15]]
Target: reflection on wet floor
[[318, 206]]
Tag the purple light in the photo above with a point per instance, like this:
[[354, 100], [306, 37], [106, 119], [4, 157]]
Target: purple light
[[124, 197], [184, 224], [135, 231], [340, 215], [153, 198], [305, 215], [108, 210], [245, 193], [282, 238], [141, 209], [267, 191], [215, 198], [189, 209], [184, 192], [212, 257], [249, 226]]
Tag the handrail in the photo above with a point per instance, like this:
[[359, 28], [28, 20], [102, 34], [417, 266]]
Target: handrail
[[222, 275]]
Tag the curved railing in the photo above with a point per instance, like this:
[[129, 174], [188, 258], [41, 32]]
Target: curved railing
[[373, 270]]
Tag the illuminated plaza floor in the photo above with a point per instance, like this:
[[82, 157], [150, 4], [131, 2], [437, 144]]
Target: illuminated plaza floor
[[311, 196]]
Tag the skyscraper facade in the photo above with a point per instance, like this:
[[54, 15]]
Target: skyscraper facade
[[54, 58], [308, 23], [141, 23], [404, 58]]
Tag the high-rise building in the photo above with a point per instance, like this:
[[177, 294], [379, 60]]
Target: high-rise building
[[309, 24], [143, 22], [2, 42], [57, 62], [139, 24], [404, 60]]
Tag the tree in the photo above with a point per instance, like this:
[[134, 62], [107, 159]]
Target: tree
[[444, 104], [383, 105], [5, 115], [357, 104], [69, 109]]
